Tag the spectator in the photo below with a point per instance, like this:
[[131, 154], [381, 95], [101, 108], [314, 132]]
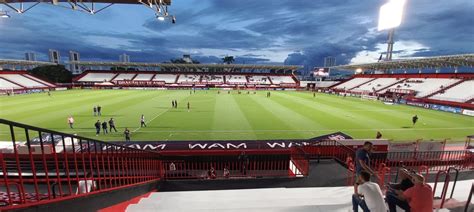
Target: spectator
[[244, 162], [226, 173], [367, 195], [418, 198], [172, 167], [211, 174], [86, 185], [393, 188], [363, 159], [70, 121]]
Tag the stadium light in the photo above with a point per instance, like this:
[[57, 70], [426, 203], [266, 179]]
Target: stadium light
[[358, 71], [391, 14], [160, 18], [390, 17]]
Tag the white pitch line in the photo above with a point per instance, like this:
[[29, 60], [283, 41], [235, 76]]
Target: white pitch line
[[281, 131], [146, 123]]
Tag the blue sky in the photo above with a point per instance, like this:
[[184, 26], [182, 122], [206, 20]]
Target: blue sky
[[296, 32]]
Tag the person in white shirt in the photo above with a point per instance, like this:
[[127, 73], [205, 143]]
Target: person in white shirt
[[86, 185], [70, 121], [367, 195]]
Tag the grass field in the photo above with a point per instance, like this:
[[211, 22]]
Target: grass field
[[230, 116]]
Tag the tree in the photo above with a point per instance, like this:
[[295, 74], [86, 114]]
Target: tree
[[228, 59], [53, 73]]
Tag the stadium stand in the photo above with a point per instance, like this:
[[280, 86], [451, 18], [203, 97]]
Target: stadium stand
[[261, 80], [236, 79], [124, 77], [462, 92], [423, 86], [189, 78], [375, 85], [352, 83], [144, 77], [21, 81], [150, 79], [167, 78], [97, 77], [455, 90], [213, 79], [7, 85], [276, 80]]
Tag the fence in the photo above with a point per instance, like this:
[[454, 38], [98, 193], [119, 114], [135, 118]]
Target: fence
[[41, 164], [236, 164]]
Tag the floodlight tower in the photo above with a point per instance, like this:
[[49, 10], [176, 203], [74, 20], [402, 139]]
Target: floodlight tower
[[390, 17]]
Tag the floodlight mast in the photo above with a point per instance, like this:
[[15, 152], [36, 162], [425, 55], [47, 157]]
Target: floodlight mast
[[390, 43], [390, 17]]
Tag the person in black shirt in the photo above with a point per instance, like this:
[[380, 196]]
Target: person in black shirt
[[127, 135], [363, 159], [99, 109], [414, 119], [97, 128], [112, 125], [379, 135], [104, 127], [95, 111]]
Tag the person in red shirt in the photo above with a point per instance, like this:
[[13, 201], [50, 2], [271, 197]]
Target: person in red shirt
[[418, 198]]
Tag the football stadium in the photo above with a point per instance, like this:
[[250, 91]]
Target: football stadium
[[385, 130]]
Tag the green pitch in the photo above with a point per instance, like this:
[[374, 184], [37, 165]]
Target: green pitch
[[285, 115]]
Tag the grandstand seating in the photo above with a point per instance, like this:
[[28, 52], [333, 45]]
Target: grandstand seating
[[262, 80], [213, 79], [97, 77], [462, 92], [7, 85], [150, 79], [423, 86], [23, 81], [282, 80], [375, 85], [352, 83], [124, 77], [167, 78], [236, 79], [20, 80], [143, 77], [189, 78]]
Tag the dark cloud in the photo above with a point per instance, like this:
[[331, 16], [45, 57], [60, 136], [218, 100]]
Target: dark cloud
[[292, 32]]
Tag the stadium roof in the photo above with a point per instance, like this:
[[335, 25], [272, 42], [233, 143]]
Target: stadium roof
[[188, 65], [167, 2], [450, 61], [24, 63]]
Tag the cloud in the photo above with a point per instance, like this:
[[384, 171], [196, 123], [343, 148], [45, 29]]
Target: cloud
[[299, 32]]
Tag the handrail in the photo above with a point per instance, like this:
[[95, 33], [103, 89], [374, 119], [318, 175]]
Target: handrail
[[469, 198], [455, 179], [42, 130], [445, 186]]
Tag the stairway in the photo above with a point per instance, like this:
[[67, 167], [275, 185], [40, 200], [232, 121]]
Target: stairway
[[444, 89], [362, 84], [390, 85]]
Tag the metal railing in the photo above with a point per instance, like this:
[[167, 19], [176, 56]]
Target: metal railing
[[44, 165]]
